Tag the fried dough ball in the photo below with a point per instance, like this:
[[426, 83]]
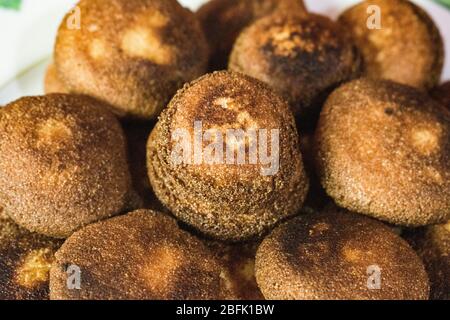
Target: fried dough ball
[[433, 246], [133, 54], [408, 47], [301, 57], [62, 163], [238, 275], [25, 260], [337, 255], [140, 256], [51, 82], [442, 94], [224, 194], [384, 150], [223, 21]]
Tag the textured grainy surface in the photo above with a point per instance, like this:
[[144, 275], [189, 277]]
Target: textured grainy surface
[[143, 255], [25, 260], [442, 94], [133, 54], [62, 163], [407, 49], [327, 255], [227, 202], [301, 57], [433, 246], [238, 263], [51, 82], [223, 21], [384, 150]]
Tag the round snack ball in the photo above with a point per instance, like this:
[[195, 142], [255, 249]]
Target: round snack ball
[[25, 260], [223, 21], [238, 264], [51, 82], [383, 149], [416, 59], [63, 163], [433, 246], [133, 54], [337, 255], [219, 188], [140, 256], [301, 57], [442, 94]]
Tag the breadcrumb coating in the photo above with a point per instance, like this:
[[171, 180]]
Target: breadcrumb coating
[[132, 54], [228, 202], [143, 255], [303, 57], [63, 163], [328, 256], [383, 149], [408, 48]]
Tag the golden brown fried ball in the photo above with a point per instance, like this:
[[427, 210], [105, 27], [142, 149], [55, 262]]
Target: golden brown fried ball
[[25, 260], [301, 57], [238, 270], [133, 54], [337, 255], [51, 82], [62, 163], [223, 21], [384, 150], [408, 47], [433, 246], [140, 256], [231, 202], [442, 94]]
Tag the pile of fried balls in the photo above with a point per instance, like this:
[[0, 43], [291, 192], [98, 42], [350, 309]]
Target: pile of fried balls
[[93, 207]]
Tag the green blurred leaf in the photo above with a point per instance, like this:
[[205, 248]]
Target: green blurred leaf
[[10, 4], [444, 2]]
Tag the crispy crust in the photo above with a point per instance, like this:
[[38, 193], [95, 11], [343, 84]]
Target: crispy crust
[[133, 54], [223, 21], [25, 260], [442, 94], [383, 149], [62, 162], [326, 256], [416, 59], [143, 255], [301, 57], [433, 246], [227, 202]]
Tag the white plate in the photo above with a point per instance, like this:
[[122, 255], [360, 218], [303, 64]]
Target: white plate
[[30, 81]]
